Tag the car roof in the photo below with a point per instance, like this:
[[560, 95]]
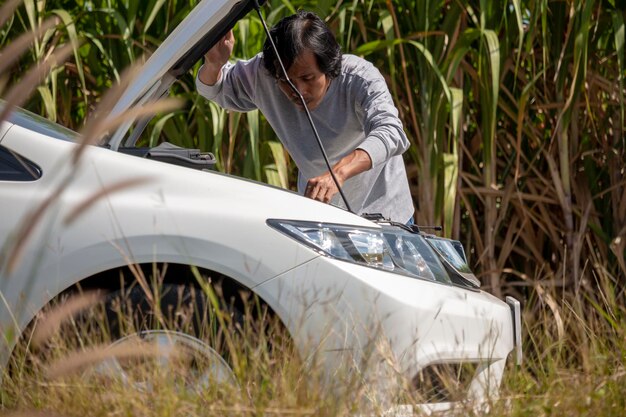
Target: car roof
[[36, 123]]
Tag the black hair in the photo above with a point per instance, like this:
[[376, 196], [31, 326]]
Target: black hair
[[298, 33]]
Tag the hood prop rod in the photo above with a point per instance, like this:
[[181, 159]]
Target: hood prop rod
[[306, 108]]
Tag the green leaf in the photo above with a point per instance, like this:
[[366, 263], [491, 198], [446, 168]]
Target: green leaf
[[493, 50], [68, 21], [517, 6], [279, 165], [124, 30], [98, 44], [456, 107], [272, 176], [153, 13], [243, 27], [274, 14], [31, 12], [451, 175], [462, 48], [433, 65], [374, 46], [218, 119], [253, 136], [619, 36], [158, 127], [48, 102], [289, 6]]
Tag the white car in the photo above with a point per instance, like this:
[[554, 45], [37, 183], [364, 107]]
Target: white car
[[329, 275]]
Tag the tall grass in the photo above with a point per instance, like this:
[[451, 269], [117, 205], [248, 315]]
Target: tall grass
[[66, 363], [516, 114], [515, 111], [537, 88], [573, 366]]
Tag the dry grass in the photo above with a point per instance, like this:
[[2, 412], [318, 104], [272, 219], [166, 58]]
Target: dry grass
[[62, 373], [578, 373], [575, 334]]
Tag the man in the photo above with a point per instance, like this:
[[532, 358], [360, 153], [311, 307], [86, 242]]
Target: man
[[350, 105]]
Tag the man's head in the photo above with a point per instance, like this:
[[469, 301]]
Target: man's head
[[310, 53]]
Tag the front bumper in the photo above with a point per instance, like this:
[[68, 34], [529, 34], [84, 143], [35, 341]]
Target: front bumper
[[344, 312]]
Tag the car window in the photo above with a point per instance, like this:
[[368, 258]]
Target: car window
[[36, 123], [14, 167]]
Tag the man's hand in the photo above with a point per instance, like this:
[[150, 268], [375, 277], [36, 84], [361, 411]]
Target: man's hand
[[323, 188], [216, 58]]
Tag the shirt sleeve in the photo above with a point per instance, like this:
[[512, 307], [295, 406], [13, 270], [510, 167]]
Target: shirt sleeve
[[383, 129], [236, 88]]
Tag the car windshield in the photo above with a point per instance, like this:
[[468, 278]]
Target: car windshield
[[39, 124]]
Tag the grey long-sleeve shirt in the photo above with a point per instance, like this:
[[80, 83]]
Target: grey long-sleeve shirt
[[357, 112]]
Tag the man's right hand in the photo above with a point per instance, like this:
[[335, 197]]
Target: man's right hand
[[216, 58]]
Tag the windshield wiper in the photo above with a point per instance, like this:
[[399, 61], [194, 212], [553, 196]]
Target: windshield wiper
[[257, 7], [380, 219]]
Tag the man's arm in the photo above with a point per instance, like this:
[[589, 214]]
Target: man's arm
[[385, 136], [232, 86], [216, 58]]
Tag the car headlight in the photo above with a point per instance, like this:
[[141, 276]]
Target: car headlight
[[388, 248], [453, 258]]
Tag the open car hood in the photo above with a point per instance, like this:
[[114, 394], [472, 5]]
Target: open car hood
[[208, 22]]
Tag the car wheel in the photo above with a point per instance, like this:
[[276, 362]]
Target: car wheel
[[173, 331]]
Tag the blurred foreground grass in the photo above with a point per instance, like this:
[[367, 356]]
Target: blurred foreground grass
[[574, 366]]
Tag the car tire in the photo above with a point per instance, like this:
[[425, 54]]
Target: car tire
[[121, 335], [173, 321]]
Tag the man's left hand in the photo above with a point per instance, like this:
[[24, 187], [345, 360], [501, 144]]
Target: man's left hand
[[323, 188]]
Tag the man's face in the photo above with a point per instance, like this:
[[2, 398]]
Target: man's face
[[312, 83]]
